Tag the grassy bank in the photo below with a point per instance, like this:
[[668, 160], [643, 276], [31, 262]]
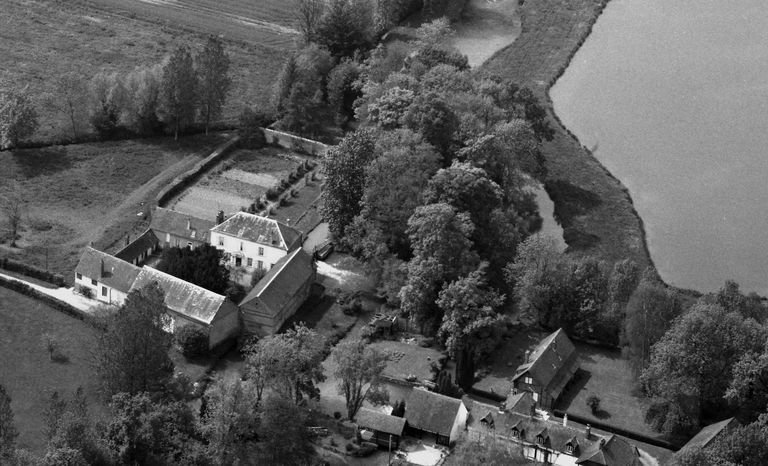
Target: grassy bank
[[594, 208]]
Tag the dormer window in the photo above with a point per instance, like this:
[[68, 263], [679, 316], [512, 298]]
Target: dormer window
[[221, 241], [528, 380], [569, 449], [539, 439], [515, 433]]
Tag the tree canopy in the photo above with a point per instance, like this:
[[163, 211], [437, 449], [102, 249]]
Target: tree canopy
[[201, 266]]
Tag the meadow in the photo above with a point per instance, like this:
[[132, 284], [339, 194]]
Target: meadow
[[27, 371]]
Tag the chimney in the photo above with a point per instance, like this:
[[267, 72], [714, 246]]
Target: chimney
[[565, 420], [527, 355], [589, 431], [514, 390], [127, 239], [602, 443], [101, 269], [189, 224]]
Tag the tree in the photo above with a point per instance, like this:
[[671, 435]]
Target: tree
[[744, 446], [231, 416], [143, 88], [131, 351], [212, 65], [70, 429], [470, 327], [283, 436], [12, 205], [344, 169], [431, 116], [345, 27], [487, 450], [18, 117], [179, 90], [50, 344], [388, 110], [107, 103], [358, 370], [69, 98], [201, 266], [64, 457], [8, 432], [250, 124], [749, 385], [303, 108], [732, 300], [289, 73], [691, 366], [398, 410], [308, 14], [342, 90]]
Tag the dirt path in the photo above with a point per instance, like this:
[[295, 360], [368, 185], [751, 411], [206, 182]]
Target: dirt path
[[62, 294], [486, 27]]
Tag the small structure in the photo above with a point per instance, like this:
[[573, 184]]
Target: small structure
[[434, 414], [382, 429], [108, 277], [547, 369], [279, 294], [192, 305], [140, 249], [176, 229], [710, 433], [254, 242], [611, 451]]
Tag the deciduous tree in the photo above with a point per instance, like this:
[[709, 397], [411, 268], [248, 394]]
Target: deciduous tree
[[18, 117], [143, 88], [8, 432], [201, 266], [283, 436], [12, 206], [358, 370], [70, 98], [179, 91], [308, 14], [108, 98], [346, 26], [212, 65], [231, 416]]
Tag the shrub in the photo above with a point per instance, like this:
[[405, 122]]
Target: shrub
[[283, 201], [257, 275], [235, 293], [336, 415], [349, 446], [272, 193], [593, 401], [85, 291], [192, 341], [294, 192], [31, 271], [249, 129]]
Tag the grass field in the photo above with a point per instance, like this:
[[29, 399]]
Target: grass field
[[86, 193], [40, 39], [594, 208], [26, 369]]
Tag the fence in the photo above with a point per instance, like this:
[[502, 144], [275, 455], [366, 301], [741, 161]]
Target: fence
[[296, 143]]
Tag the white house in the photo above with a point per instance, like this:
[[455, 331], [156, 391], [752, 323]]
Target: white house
[[435, 415], [254, 242], [108, 277]]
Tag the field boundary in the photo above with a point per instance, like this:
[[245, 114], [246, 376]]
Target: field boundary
[[295, 143], [57, 304]]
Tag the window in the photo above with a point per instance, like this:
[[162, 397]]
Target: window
[[79, 276], [569, 449], [515, 433], [94, 282], [103, 290], [241, 245], [238, 261], [189, 245], [261, 264], [539, 439], [261, 251], [528, 380], [535, 396], [250, 262], [221, 241]]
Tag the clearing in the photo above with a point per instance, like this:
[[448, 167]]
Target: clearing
[[85, 193], [26, 369], [42, 39], [485, 27]]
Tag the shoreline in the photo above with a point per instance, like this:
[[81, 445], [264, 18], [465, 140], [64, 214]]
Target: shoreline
[[594, 208]]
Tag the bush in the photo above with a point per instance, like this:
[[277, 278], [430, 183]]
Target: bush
[[593, 401], [192, 341], [257, 275], [249, 129], [66, 308], [85, 291], [349, 447], [272, 193], [336, 415], [31, 271], [235, 293], [352, 308]]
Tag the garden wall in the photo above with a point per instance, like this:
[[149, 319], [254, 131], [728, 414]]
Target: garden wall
[[295, 143]]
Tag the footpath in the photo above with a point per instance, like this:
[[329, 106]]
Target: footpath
[[65, 294]]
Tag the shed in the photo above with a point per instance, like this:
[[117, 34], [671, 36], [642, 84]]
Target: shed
[[386, 430], [435, 414]]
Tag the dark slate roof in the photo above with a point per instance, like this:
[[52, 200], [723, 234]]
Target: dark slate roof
[[283, 280], [374, 420], [182, 297], [552, 363], [180, 224], [709, 433], [261, 230], [431, 412], [614, 452], [521, 402], [107, 269], [134, 249]]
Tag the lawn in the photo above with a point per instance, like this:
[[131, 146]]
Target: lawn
[[594, 208], [41, 39], [303, 210], [405, 359], [84, 193], [26, 369], [606, 374]]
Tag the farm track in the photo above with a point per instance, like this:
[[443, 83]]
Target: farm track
[[263, 23]]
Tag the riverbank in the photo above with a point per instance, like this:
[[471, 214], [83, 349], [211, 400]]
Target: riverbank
[[593, 207]]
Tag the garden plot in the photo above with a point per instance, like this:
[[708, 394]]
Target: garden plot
[[204, 202]]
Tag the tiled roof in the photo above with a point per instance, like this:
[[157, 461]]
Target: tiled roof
[[261, 230], [431, 412], [146, 241], [180, 224], [107, 269], [709, 433], [552, 363], [283, 280], [614, 452], [374, 420], [182, 297], [521, 402]]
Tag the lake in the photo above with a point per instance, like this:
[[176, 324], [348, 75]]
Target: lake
[[672, 97]]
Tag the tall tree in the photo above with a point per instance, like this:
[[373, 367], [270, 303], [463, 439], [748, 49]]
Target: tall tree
[[283, 436], [131, 352], [143, 86], [358, 370], [344, 169], [12, 207], [471, 326], [107, 103], [230, 417], [343, 91], [69, 98], [212, 65], [8, 432], [308, 14], [18, 117], [201, 266], [749, 385], [430, 115], [179, 90], [346, 27]]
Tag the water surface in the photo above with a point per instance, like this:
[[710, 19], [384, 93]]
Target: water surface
[[673, 98]]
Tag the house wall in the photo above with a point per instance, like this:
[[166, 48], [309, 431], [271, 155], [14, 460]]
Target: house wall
[[543, 400], [546, 455], [169, 240], [225, 325], [261, 321], [250, 249], [113, 296], [459, 423]]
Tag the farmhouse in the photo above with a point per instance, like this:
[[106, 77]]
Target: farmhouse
[[710, 433], [379, 428], [193, 305], [279, 294], [175, 229], [435, 415], [254, 242], [548, 369], [551, 442], [108, 278]]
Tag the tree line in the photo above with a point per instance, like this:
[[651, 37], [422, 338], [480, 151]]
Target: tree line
[[171, 96]]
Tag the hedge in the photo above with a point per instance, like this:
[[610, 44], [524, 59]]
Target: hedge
[[57, 304], [31, 271]]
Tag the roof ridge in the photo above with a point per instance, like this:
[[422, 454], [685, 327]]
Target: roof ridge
[[288, 257], [197, 287]]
